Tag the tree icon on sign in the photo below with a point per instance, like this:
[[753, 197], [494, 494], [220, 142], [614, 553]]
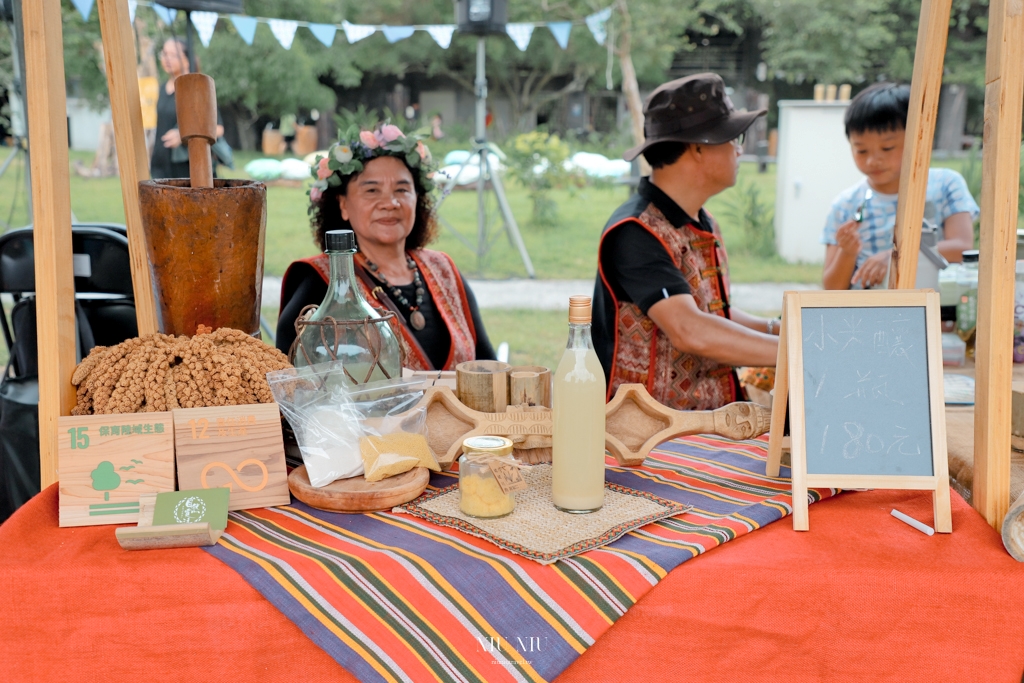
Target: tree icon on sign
[[105, 479]]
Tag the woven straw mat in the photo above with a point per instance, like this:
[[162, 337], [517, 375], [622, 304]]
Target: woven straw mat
[[536, 529]]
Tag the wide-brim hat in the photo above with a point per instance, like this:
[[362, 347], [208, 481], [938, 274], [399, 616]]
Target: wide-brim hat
[[693, 109]]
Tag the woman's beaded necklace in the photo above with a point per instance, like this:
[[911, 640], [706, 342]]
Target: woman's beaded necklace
[[416, 318]]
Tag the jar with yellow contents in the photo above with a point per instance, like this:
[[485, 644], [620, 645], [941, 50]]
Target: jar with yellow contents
[[481, 495]]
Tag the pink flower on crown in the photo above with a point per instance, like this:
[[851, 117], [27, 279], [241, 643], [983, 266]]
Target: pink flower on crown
[[422, 150], [315, 193], [322, 171], [388, 133], [368, 139]]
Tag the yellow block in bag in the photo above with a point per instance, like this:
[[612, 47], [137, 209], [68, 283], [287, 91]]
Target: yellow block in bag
[[391, 454]]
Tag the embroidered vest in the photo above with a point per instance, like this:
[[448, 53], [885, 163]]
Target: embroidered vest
[[643, 354], [445, 286]]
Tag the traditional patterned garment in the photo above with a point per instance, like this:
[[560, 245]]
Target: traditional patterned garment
[[445, 287], [392, 597], [642, 353]]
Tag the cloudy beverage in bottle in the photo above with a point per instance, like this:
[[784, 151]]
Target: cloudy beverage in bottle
[[578, 401]]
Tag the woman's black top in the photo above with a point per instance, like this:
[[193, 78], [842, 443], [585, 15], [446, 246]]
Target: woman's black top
[[160, 165], [435, 338]]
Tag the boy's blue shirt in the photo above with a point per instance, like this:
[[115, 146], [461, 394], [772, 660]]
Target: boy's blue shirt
[[947, 194]]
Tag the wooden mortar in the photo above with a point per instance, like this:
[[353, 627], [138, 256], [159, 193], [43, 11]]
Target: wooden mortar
[[206, 249], [204, 237]]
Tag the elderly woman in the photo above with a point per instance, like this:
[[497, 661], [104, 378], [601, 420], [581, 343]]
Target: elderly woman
[[377, 185]]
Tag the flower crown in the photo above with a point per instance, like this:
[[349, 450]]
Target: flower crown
[[356, 147]]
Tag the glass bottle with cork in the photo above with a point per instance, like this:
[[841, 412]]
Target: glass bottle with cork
[[578, 403], [345, 326]]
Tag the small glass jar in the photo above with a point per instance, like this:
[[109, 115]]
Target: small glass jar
[[481, 496]]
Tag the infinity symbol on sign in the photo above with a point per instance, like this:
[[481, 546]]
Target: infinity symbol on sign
[[241, 466]]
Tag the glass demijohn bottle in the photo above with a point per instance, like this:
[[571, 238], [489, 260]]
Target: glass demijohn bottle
[[578, 402], [352, 344]]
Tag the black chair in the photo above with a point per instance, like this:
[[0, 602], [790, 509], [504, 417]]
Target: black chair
[[104, 315]]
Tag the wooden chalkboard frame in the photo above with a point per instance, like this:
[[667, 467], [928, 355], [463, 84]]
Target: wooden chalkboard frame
[[789, 389]]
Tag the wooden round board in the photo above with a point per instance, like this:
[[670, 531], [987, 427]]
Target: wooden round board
[[357, 494]]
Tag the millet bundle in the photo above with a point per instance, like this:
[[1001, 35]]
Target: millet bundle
[[160, 372]]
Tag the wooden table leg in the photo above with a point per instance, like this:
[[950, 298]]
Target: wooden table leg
[[51, 208], [1004, 93]]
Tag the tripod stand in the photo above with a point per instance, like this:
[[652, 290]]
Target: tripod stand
[[18, 148], [482, 153]]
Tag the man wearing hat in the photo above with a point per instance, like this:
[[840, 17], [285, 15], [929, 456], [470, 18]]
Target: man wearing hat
[[661, 301]]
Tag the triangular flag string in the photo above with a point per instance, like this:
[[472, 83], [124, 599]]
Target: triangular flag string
[[560, 30], [84, 8], [324, 32], [442, 34], [397, 33], [597, 25], [520, 34], [246, 27], [166, 15], [284, 31], [204, 22], [356, 32]]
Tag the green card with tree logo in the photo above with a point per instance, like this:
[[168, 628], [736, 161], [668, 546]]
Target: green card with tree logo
[[193, 507]]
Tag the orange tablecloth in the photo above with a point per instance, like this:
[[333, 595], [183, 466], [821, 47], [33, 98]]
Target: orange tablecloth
[[859, 597]]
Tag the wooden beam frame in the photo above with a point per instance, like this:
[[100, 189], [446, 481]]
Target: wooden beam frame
[[932, 32], [1004, 94], [132, 157], [51, 208]]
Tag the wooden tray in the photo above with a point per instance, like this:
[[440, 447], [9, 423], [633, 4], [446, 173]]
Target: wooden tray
[[357, 494]]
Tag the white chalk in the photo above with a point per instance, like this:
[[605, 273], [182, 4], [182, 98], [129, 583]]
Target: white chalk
[[923, 528]]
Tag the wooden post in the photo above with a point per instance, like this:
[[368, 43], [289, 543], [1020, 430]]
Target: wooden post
[[51, 207], [1004, 93], [917, 152], [132, 157]]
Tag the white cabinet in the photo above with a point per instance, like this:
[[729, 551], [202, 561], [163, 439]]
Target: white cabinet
[[813, 166]]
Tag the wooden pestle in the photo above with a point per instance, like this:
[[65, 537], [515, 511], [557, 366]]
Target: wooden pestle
[[196, 104]]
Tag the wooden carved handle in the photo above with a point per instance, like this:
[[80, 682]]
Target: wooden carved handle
[[196, 103]]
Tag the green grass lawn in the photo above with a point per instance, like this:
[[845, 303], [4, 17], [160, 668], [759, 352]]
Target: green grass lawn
[[565, 251]]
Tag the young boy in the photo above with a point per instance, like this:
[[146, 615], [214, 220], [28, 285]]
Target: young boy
[[859, 229]]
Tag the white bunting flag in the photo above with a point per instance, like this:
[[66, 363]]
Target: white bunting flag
[[204, 22], [560, 30], [520, 34], [246, 27], [356, 32], [284, 31], [166, 15], [596, 24], [323, 32], [441, 34]]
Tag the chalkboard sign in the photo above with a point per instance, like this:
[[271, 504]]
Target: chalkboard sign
[[866, 391], [862, 375]]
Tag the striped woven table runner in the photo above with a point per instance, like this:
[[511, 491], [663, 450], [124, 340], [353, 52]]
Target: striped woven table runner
[[392, 597]]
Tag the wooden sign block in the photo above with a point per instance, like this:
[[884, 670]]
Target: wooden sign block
[[239, 447], [106, 462], [862, 374], [147, 536]]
